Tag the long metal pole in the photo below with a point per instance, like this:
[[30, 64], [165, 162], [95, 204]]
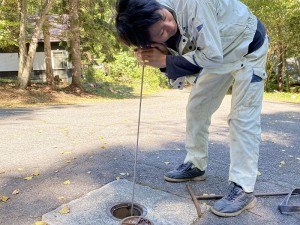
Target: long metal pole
[[215, 197], [137, 140]]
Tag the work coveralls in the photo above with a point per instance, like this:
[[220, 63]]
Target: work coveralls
[[215, 36]]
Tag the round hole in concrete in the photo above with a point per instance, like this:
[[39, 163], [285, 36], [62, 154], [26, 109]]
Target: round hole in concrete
[[122, 210], [135, 220]]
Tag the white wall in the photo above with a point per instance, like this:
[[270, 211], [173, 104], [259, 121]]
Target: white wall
[[9, 62], [39, 61]]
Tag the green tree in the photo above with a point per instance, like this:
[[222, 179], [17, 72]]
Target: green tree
[[98, 31], [8, 24], [281, 18], [75, 44], [24, 77]]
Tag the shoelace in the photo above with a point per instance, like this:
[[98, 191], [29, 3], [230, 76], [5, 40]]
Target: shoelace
[[184, 166], [233, 193]]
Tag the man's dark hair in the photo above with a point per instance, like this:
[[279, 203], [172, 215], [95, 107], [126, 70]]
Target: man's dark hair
[[134, 17]]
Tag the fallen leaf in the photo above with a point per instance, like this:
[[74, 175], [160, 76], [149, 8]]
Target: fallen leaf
[[64, 210], [2, 171], [118, 178], [67, 152], [103, 147], [15, 192], [40, 223], [88, 172], [66, 182], [28, 178], [4, 198], [258, 173], [282, 162], [124, 174], [68, 161], [20, 169], [36, 173], [167, 163], [61, 198]]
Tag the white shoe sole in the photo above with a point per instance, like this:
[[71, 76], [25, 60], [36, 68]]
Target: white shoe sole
[[249, 206], [199, 178]]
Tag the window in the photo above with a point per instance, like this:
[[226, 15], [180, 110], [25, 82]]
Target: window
[[59, 59]]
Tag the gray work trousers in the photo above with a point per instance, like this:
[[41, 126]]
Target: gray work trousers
[[243, 120]]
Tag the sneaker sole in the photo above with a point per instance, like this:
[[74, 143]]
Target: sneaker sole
[[249, 206], [199, 178]]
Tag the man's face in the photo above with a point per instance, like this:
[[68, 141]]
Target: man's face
[[162, 30]]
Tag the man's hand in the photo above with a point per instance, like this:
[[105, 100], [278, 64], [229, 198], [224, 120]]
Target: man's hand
[[154, 56]]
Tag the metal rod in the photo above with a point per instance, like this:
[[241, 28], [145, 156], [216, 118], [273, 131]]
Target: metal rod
[[195, 200], [213, 197], [137, 140]]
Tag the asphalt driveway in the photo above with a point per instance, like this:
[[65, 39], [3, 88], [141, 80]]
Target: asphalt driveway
[[66, 151]]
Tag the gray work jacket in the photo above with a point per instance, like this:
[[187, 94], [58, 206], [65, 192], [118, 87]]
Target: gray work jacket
[[215, 34]]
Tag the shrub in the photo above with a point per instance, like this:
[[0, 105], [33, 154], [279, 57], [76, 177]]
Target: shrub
[[125, 70]]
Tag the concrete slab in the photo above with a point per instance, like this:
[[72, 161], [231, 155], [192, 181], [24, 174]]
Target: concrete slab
[[162, 208]]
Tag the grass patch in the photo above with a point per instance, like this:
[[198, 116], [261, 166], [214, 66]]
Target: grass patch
[[282, 97]]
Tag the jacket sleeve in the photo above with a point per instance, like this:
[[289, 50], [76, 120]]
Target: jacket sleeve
[[203, 28]]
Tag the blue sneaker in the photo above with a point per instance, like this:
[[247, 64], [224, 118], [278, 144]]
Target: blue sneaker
[[235, 202], [185, 172]]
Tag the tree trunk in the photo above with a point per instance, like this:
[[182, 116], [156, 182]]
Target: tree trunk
[[280, 69], [22, 5], [287, 76], [47, 49], [25, 77], [297, 60], [75, 45]]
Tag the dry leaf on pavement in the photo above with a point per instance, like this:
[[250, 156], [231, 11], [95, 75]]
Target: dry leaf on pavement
[[66, 182], [40, 223], [36, 173], [61, 199], [67, 152], [4, 198], [281, 163], [64, 210], [258, 173], [15, 192]]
